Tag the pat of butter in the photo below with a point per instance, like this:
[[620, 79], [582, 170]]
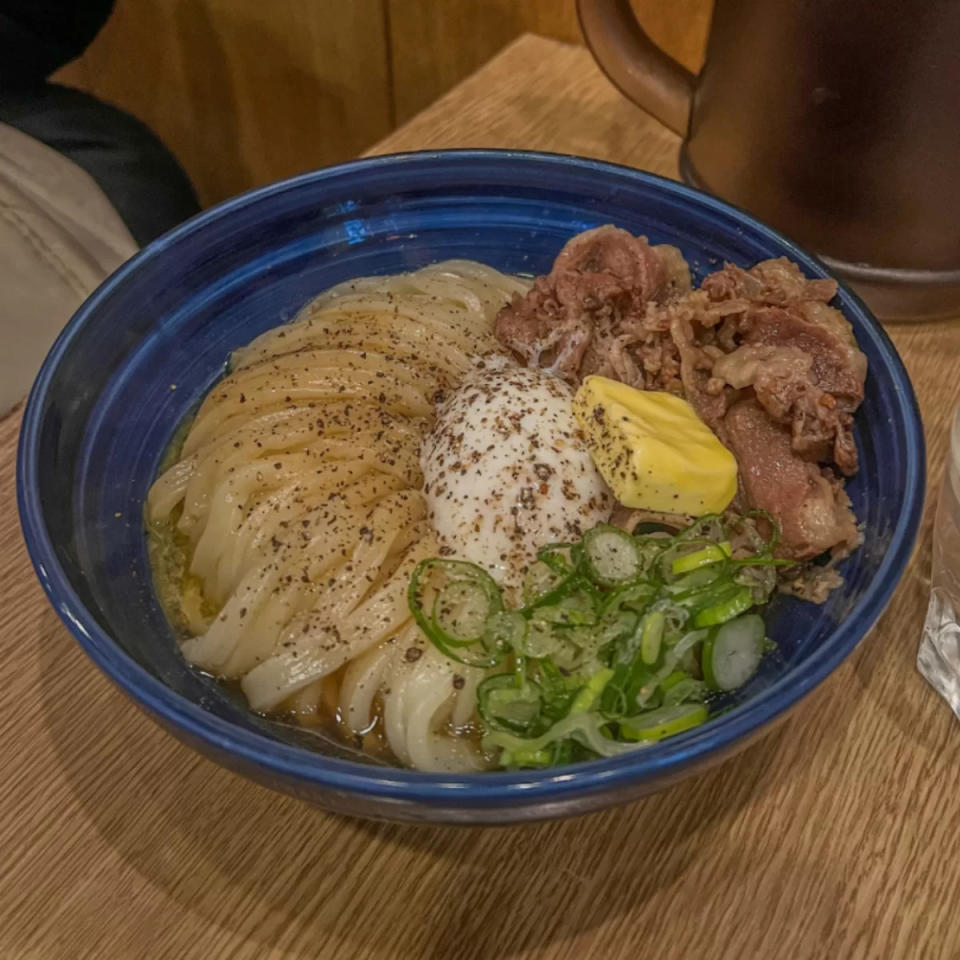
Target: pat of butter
[[653, 450]]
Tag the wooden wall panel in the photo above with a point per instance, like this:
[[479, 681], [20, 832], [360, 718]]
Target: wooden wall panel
[[246, 91], [435, 43]]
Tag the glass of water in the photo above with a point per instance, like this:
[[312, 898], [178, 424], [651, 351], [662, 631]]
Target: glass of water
[[939, 656]]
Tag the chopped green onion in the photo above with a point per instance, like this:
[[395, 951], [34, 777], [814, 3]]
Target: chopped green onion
[[652, 636], [606, 652], [636, 597], [461, 610], [507, 706], [738, 602], [506, 630], [527, 758], [733, 652], [617, 625], [547, 583], [692, 583], [700, 558], [614, 701], [584, 727], [456, 571], [671, 661], [557, 689], [540, 640], [540, 579], [763, 560], [683, 691], [611, 556], [575, 610], [557, 556], [591, 692], [678, 676], [664, 722]]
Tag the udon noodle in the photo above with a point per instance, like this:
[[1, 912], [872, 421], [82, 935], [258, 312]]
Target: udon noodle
[[295, 508]]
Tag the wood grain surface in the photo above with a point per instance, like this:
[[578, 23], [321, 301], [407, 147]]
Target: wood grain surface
[[837, 836]]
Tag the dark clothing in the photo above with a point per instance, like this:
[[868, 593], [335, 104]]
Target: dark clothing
[[141, 178], [39, 36], [134, 169]]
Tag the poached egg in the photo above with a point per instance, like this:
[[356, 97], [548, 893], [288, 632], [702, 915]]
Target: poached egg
[[507, 471]]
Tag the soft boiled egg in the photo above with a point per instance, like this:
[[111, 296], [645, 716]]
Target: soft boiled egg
[[506, 471], [653, 450]]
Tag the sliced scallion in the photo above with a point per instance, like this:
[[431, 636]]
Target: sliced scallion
[[652, 637], [664, 722], [507, 705], [607, 650], [733, 652], [591, 692], [737, 602], [611, 556], [713, 553]]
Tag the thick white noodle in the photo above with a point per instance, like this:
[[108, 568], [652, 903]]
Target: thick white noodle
[[298, 499]]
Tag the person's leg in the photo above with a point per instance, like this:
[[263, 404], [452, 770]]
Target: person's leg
[[82, 184], [132, 167], [59, 238]]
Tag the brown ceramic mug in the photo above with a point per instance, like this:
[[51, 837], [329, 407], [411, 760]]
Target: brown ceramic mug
[[837, 121]]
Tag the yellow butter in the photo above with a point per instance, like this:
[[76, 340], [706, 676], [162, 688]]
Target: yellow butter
[[653, 450]]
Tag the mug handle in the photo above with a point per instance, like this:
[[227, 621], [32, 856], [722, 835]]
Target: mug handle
[[635, 64]]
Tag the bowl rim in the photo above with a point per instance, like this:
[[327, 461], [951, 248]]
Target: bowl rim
[[489, 788]]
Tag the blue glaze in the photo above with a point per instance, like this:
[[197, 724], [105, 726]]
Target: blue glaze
[[104, 408]]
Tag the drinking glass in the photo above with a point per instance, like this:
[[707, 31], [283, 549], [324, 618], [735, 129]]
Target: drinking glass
[[939, 656]]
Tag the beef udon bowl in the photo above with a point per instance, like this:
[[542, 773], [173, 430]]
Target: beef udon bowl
[[440, 486]]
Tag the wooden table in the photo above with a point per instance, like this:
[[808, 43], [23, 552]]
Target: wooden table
[[838, 836]]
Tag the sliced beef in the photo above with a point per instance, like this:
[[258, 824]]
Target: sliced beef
[[811, 508], [700, 385], [571, 321], [543, 333], [773, 282], [606, 265], [797, 353]]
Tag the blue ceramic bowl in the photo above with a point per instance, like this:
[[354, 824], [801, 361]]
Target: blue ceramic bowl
[[145, 348]]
